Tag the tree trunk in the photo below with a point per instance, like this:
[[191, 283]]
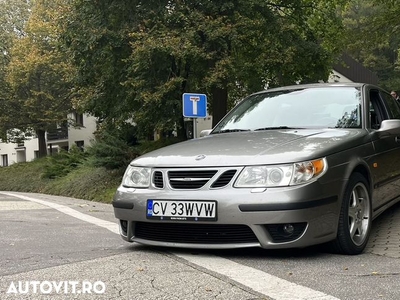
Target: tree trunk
[[219, 104], [41, 134], [181, 129]]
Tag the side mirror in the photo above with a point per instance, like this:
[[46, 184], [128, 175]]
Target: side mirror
[[390, 126], [204, 133]]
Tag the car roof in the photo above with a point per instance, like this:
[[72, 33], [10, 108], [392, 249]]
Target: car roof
[[317, 85]]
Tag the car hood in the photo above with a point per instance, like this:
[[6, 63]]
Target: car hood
[[254, 147]]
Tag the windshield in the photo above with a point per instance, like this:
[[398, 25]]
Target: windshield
[[326, 107]]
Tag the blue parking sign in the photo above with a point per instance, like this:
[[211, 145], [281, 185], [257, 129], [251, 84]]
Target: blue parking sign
[[194, 105]]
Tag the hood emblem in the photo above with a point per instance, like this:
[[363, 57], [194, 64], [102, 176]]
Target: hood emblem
[[200, 157]]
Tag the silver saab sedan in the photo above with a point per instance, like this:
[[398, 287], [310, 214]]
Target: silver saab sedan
[[287, 167]]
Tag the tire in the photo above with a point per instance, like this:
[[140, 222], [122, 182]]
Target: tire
[[355, 217]]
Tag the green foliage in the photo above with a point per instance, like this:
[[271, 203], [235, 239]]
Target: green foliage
[[135, 59], [13, 15], [38, 74], [372, 37], [116, 148], [111, 150], [87, 182], [83, 180], [62, 163], [96, 36], [218, 46], [23, 177]]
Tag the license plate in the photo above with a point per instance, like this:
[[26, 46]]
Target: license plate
[[181, 210]]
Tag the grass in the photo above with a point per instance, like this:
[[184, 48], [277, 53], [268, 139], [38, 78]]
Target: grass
[[23, 177], [70, 176], [83, 182]]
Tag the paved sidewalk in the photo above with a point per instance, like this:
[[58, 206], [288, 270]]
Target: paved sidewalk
[[385, 235]]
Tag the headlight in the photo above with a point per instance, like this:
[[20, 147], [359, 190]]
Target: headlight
[[136, 177], [265, 176], [281, 175]]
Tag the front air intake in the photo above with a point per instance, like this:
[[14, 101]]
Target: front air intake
[[195, 233], [224, 179], [158, 180]]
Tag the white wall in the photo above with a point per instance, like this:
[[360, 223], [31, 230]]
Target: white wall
[[337, 77], [84, 133], [31, 146], [9, 150], [18, 154]]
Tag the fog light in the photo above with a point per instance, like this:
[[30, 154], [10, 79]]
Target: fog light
[[288, 229], [283, 233]]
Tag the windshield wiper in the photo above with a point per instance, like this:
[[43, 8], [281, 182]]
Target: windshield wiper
[[230, 130], [276, 127]]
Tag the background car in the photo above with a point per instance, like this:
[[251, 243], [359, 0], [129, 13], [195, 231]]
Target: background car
[[287, 167]]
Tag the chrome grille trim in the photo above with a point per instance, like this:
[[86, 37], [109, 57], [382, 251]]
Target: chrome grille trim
[[194, 178], [189, 179]]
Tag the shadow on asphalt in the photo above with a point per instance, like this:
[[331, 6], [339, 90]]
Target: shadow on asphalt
[[313, 251]]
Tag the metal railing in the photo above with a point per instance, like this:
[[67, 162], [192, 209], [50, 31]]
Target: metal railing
[[57, 134]]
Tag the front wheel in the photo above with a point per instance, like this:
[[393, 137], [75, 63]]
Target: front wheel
[[355, 217]]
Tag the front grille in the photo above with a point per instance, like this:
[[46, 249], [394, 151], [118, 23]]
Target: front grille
[[195, 233], [190, 179], [158, 179], [224, 179]]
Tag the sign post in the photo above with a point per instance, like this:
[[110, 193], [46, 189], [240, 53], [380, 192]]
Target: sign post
[[194, 106]]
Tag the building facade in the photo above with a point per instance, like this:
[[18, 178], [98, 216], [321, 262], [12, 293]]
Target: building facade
[[62, 136]]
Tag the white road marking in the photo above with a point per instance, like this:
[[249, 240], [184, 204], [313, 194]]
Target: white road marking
[[264, 283], [257, 280], [20, 205], [113, 227]]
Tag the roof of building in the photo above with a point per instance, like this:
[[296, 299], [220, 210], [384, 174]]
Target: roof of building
[[353, 70]]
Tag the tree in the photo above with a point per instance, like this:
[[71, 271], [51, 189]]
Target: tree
[[372, 37], [387, 25], [97, 37], [135, 59], [39, 74], [13, 16]]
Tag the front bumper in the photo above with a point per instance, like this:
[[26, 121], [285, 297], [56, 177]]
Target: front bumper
[[312, 210]]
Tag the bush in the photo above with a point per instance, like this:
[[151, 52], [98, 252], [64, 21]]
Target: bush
[[60, 164], [87, 182], [69, 173], [111, 151], [23, 177]]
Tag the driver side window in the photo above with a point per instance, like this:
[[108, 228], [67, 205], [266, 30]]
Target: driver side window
[[377, 112], [374, 121]]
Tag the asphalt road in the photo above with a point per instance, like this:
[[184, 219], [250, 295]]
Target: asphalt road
[[63, 248]]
